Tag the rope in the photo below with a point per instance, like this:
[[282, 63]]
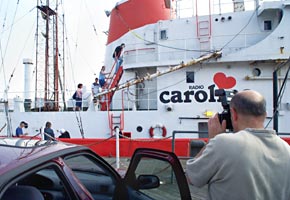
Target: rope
[[166, 46], [243, 28], [5, 51]]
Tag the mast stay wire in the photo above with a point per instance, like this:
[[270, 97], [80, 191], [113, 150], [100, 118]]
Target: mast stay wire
[[69, 54], [5, 15], [15, 21], [243, 28], [3, 54], [78, 116], [156, 43], [90, 17], [94, 28], [194, 50], [19, 57]]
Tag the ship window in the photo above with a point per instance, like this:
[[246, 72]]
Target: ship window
[[163, 35], [267, 25], [189, 77]]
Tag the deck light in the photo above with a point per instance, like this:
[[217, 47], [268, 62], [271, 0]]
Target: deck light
[[208, 113]]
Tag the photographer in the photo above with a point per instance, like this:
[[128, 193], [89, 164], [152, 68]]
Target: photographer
[[19, 129], [252, 163]]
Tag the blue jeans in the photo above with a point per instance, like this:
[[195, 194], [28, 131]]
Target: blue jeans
[[119, 62]]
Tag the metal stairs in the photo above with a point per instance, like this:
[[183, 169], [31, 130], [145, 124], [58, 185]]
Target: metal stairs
[[114, 83]]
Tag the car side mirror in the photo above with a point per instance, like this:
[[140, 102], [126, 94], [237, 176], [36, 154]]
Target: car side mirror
[[148, 181]]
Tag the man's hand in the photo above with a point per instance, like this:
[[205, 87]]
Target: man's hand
[[214, 126]]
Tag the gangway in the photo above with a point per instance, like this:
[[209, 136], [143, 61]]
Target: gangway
[[112, 84]]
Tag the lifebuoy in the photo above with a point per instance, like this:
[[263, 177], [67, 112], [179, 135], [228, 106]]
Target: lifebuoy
[[151, 130]]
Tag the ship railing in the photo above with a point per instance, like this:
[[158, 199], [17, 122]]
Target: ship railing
[[133, 100], [185, 49], [21, 105], [175, 132], [188, 8]]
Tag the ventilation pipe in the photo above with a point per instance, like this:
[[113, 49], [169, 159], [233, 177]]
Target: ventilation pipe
[[27, 83]]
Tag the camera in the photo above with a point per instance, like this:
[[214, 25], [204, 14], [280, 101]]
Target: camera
[[225, 98]]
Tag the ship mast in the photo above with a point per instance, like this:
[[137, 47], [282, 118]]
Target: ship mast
[[47, 59]]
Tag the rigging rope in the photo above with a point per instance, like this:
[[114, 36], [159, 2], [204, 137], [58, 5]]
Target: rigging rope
[[156, 43], [77, 113], [243, 28], [3, 54]]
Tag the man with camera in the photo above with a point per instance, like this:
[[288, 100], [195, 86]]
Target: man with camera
[[252, 163]]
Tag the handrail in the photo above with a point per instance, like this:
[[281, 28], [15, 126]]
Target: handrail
[[183, 132], [110, 74], [122, 114]]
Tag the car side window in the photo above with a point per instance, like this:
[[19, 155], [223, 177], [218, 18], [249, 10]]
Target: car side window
[[45, 184], [162, 170], [93, 175]]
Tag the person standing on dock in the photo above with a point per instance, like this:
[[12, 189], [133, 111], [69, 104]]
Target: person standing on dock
[[252, 163], [79, 97], [118, 57]]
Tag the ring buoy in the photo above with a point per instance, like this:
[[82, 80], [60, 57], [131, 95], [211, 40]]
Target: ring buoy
[[151, 130]]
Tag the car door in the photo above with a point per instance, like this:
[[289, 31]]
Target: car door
[[157, 174]]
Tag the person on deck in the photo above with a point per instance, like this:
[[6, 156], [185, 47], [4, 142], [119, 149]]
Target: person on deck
[[79, 97], [102, 76], [48, 132], [64, 133], [19, 129], [252, 163], [118, 57], [95, 90]]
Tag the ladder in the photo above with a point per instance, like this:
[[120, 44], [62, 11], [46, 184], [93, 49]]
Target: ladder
[[114, 83], [203, 28], [116, 122]]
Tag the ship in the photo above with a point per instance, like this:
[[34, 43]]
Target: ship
[[175, 73]]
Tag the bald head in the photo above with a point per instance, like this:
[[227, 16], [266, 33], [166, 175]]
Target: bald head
[[249, 103]]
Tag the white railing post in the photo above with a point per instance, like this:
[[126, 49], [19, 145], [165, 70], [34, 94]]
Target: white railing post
[[117, 130]]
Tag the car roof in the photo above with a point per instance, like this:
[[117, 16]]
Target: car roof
[[22, 154]]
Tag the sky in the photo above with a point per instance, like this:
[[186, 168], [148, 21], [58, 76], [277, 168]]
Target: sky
[[85, 24]]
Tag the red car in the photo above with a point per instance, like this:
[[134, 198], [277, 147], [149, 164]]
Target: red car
[[52, 170]]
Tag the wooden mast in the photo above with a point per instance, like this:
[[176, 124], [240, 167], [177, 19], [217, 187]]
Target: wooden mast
[[51, 52]]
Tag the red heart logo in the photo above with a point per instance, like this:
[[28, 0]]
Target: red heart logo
[[224, 82]]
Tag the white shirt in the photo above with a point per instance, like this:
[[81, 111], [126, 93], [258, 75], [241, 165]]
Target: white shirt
[[250, 164]]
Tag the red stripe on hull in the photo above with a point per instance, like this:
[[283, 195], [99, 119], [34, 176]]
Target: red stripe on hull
[[127, 147], [107, 148]]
